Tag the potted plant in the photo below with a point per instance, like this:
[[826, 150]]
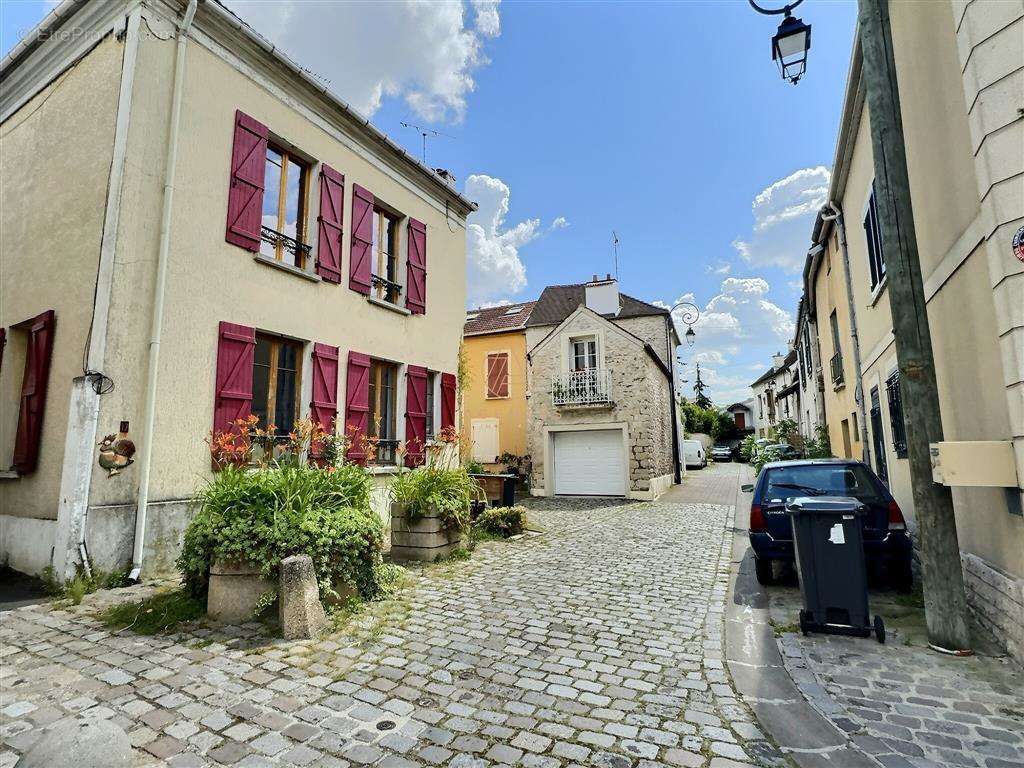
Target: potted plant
[[430, 504]]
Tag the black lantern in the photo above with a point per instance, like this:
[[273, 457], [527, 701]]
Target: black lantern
[[690, 336], [789, 48], [791, 42]]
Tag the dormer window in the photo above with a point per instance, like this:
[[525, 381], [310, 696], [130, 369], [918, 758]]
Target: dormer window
[[584, 354]]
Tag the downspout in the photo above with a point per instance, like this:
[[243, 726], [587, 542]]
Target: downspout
[[832, 212], [157, 321], [677, 473]]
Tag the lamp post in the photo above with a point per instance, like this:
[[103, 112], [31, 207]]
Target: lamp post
[[791, 41], [689, 316]]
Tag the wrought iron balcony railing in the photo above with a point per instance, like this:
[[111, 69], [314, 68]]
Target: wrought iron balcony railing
[[592, 386], [385, 289], [280, 240], [836, 365]]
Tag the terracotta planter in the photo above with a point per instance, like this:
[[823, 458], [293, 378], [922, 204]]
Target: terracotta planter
[[235, 591], [426, 538]]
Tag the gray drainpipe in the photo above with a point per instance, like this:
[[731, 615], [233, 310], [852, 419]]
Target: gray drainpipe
[[157, 321], [832, 212]]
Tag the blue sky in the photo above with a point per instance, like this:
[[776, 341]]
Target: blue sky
[[666, 122]]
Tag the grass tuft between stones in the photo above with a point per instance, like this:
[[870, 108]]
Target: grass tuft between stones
[[154, 615]]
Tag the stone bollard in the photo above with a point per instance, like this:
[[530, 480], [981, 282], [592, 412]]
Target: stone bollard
[[301, 612]]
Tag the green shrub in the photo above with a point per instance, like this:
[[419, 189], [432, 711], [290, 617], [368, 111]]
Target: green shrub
[[475, 468], [264, 516], [445, 489], [500, 522]]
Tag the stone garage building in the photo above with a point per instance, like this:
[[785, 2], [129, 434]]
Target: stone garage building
[[602, 418]]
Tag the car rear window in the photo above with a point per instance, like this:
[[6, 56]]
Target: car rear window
[[785, 483]]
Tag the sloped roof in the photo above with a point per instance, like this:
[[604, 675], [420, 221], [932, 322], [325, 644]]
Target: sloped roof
[[557, 302], [764, 377], [497, 319]]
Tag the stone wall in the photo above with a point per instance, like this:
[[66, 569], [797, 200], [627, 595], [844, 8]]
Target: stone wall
[[640, 392], [997, 600]]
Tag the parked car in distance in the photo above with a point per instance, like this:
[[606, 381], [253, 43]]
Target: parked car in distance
[[721, 452], [887, 547], [694, 455], [783, 451]]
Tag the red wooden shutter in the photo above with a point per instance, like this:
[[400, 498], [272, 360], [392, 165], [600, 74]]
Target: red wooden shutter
[[236, 347], [415, 414], [497, 375], [447, 400], [332, 214], [416, 282], [33, 391], [323, 408], [245, 195], [359, 265], [357, 404]]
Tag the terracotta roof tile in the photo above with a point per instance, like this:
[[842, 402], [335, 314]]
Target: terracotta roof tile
[[497, 319]]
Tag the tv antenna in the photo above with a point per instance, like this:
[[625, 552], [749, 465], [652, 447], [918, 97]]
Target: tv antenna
[[615, 250], [425, 132]]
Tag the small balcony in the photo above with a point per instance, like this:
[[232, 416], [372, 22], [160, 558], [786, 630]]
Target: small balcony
[[579, 389], [836, 364]]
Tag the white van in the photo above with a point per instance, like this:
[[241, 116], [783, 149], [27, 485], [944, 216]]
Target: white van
[[693, 454]]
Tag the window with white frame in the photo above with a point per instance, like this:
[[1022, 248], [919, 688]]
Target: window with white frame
[[583, 354]]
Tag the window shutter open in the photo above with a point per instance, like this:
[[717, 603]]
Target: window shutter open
[[497, 375], [332, 215], [323, 408], [357, 405], [415, 414], [447, 400], [236, 347], [416, 282], [38, 352], [361, 245], [245, 195]]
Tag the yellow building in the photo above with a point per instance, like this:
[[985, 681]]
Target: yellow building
[[494, 397], [960, 69]]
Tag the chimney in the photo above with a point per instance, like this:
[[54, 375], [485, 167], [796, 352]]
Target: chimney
[[603, 295], [777, 360]]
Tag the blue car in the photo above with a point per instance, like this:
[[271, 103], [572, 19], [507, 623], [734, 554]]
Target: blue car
[[887, 547]]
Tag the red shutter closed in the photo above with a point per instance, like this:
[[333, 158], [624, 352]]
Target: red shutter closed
[[415, 414], [38, 352], [497, 375], [416, 282], [323, 408], [357, 405], [245, 195], [236, 346], [332, 215], [447, 400], [361, 245]]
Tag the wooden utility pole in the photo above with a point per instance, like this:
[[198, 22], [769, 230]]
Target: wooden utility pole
[[944, 599]]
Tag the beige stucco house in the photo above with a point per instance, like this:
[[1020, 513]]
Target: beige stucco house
[[960, 68], [212, 233], [601, 406]]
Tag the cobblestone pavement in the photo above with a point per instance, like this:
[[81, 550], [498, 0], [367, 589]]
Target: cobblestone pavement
[[597, 643], [910, 707]]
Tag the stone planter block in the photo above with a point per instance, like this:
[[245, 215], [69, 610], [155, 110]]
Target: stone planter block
[[235, 590], [301, 612], [424, 539]]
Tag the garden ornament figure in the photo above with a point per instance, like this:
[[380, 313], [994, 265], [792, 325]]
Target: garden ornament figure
[[116, 451]]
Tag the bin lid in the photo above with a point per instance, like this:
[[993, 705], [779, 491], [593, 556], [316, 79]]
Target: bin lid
[[816, 505]]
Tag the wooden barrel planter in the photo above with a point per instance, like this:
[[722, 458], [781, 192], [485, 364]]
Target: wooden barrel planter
[[425, 538], [235, 591]]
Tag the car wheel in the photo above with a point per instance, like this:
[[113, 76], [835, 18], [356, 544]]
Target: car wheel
[[764, 571], [902, 577]]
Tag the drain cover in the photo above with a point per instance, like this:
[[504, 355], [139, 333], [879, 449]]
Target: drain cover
[[386, 725]]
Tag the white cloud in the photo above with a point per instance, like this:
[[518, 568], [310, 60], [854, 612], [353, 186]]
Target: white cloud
[[783, 216], [493, 267], [423, 52], [559, 223], [722, 269]]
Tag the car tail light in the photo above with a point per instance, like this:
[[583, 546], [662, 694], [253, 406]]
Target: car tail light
[[896, 521], [757, 522]]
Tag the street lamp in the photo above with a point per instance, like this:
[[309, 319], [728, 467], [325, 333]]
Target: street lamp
[[791, 41], [689, 316]]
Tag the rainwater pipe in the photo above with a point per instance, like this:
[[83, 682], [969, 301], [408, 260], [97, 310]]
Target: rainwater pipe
[[157, 321], [832, 212]]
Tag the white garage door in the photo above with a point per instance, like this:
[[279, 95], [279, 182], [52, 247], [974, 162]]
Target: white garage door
[[589, 463]]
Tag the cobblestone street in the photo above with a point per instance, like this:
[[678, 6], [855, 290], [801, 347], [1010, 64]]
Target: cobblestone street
[[597, 643]]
